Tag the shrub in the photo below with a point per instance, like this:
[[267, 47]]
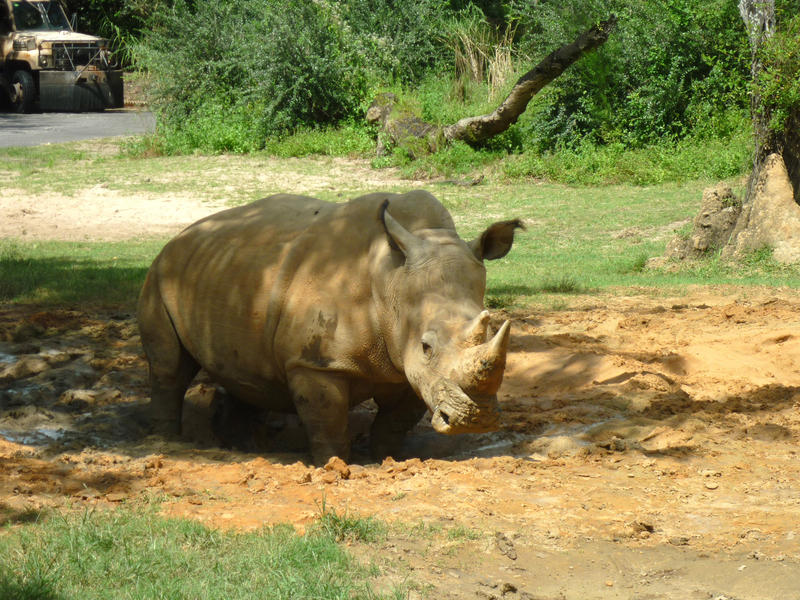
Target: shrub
[[227, 74], [402, 39]]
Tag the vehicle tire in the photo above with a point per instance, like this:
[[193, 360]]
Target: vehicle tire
[[23, 92]]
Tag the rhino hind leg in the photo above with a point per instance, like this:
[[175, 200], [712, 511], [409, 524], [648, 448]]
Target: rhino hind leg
[[395, 418], [172, 368], [167, 391]]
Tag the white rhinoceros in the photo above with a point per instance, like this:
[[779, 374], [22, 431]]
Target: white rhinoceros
[[297, 304]]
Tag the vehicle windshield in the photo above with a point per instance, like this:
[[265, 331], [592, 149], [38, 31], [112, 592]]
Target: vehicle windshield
[[39, 16]]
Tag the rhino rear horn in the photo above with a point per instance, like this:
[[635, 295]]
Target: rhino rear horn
[[476, 330]]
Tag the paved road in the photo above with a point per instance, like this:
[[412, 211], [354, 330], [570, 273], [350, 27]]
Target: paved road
[[54, 128]]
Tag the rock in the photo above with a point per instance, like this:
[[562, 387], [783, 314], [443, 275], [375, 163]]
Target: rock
[[679, 540], [508, 588], [329, 477], [505, 545], [26, 366], [337, 465], [82, 399], [710, 473], [642, 527], [88, 494]]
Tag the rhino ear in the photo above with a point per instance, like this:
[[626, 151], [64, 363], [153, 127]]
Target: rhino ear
[[496, 241], [399, 237]]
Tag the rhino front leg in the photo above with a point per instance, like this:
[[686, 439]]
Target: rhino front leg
[[322, 401], [396, 416]]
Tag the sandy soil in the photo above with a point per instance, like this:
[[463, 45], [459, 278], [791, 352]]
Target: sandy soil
[[648, 449]]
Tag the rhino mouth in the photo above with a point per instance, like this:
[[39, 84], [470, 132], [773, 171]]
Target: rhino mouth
[[456, 412]]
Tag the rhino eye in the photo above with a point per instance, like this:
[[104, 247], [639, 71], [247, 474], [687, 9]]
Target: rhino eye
[[428, 341]]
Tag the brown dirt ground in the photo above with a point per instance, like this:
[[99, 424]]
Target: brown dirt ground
[[648, 449]]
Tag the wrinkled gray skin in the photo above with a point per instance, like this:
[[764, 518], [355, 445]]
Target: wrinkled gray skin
[[296, 304]]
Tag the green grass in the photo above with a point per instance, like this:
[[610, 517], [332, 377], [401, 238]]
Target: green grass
[[138, 555], [344, 526], [581, 238], [589, 165], [63, 273]]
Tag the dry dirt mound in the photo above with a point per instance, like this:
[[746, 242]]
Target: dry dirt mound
[[649, 448]]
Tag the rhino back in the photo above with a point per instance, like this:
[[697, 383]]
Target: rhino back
[[217, 276]]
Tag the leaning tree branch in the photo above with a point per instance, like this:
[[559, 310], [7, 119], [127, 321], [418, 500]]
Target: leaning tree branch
[[477, 129]]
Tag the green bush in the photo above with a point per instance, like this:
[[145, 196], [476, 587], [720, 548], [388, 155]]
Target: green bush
[[402, 39], [226, 75], [669, 70], [778, 85]]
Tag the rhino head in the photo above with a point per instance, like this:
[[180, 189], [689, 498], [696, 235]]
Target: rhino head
[[440, 330]]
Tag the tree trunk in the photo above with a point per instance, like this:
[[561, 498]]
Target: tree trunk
[[417, 135], [759, 20]]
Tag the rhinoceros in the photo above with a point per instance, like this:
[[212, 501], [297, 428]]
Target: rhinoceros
[[293, 304]]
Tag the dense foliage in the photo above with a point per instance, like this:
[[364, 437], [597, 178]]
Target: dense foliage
[[227, 75], [672, 68], [231, 76], [778, 85]]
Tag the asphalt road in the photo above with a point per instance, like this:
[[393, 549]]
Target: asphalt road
[[54, 128]]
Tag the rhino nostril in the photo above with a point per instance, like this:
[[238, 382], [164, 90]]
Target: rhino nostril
[[445, 417]]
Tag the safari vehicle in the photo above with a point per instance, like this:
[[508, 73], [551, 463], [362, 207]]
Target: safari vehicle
[[46, 65]]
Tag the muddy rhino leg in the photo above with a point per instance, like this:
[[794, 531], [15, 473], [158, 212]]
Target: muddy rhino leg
[[396, 416], [171, 367], [322, 401]]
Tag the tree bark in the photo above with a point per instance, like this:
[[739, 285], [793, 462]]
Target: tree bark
[[477, 129], [759, 20]]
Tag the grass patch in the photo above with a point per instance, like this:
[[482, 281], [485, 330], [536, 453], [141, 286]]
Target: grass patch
[[460, 532], [348, 140], [74, 273], [343, 526], [138, 555], [580, 239], [687, 160]]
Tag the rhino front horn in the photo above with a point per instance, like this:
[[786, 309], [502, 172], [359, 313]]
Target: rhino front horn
[[481, 370]]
